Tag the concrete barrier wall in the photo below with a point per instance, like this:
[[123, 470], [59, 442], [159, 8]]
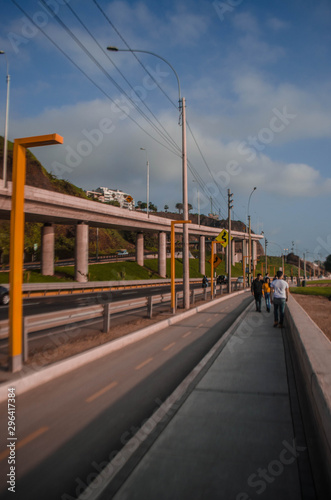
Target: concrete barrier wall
[[313, 353]]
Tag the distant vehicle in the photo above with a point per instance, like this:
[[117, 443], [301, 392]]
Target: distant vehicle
[[122, 253], [4, 295], [240, 279]]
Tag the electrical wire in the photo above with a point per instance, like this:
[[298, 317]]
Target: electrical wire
[[174, 148], [88, 77], [101, 68]]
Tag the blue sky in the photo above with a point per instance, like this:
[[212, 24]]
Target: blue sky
[[257, 82]]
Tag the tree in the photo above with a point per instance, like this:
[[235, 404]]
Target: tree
[[179, 207], [115, 203], [166, 208], [189, 206], [327, 264], [152, 207]]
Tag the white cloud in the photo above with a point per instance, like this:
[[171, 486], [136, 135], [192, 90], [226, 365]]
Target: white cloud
[[246, 22], [277, 24]]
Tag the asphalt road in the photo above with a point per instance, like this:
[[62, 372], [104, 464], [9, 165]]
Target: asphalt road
[[68, 427], [40, 305]]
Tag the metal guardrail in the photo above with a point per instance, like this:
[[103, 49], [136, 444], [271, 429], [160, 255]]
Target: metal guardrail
[[49, 289], [56, 319], [45, 321]]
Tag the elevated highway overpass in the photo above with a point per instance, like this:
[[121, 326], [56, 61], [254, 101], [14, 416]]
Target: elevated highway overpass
[[51, 208]]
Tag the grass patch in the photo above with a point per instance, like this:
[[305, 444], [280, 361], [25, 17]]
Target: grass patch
[[303, 290], [34, 277], [125, 270], [319, 282], [152, 264]]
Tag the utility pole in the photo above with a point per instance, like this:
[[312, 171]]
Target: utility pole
[[5, 140], [304, 266], [230, 206], [265, 252], [249, 252]]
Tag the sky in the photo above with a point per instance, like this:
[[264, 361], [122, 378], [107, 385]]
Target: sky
[[256, 78]]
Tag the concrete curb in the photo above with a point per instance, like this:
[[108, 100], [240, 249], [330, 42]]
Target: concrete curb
[[33, 376], [313, 352], [166, 410]]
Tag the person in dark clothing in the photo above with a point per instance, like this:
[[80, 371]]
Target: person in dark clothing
[[256, 290]]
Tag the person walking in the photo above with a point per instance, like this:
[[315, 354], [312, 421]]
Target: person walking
[[279, 296], [266, 293], [256, 290]]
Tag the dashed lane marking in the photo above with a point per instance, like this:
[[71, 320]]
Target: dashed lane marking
[[187, 334], [25, 441], [101, 392], [169, 346], [144, 363]]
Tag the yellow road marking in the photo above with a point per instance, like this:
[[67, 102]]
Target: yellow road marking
[[144, 363], [169, 346], [187, 334], [209, 319], [102, 391], [24, 441]]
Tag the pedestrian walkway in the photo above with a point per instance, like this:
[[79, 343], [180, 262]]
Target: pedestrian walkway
[[234, 436]]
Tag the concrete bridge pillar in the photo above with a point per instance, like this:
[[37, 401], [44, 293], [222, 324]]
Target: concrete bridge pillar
[[140, 249], [47, 250], [202, 255], [81, 253], [162, 254], [233, 250]]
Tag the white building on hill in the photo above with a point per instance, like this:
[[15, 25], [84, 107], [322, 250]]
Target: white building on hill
[[106, 195]]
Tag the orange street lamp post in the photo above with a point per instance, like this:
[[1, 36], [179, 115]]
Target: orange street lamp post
[[17, 243]]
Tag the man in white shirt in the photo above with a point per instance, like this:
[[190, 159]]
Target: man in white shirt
[[279, 296]]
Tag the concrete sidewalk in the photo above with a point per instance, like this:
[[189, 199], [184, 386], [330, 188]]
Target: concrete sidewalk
[[233, 438]]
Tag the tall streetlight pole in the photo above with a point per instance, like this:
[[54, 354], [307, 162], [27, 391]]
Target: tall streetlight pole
[[147, 187], [198, 198], [4, 172], [181, 100], [250, 240]]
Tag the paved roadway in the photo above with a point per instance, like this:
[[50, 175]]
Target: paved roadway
[[67, 427], [40, 305]]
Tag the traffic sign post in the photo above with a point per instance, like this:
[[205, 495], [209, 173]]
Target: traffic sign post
[[213, 245], [223, 238]]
